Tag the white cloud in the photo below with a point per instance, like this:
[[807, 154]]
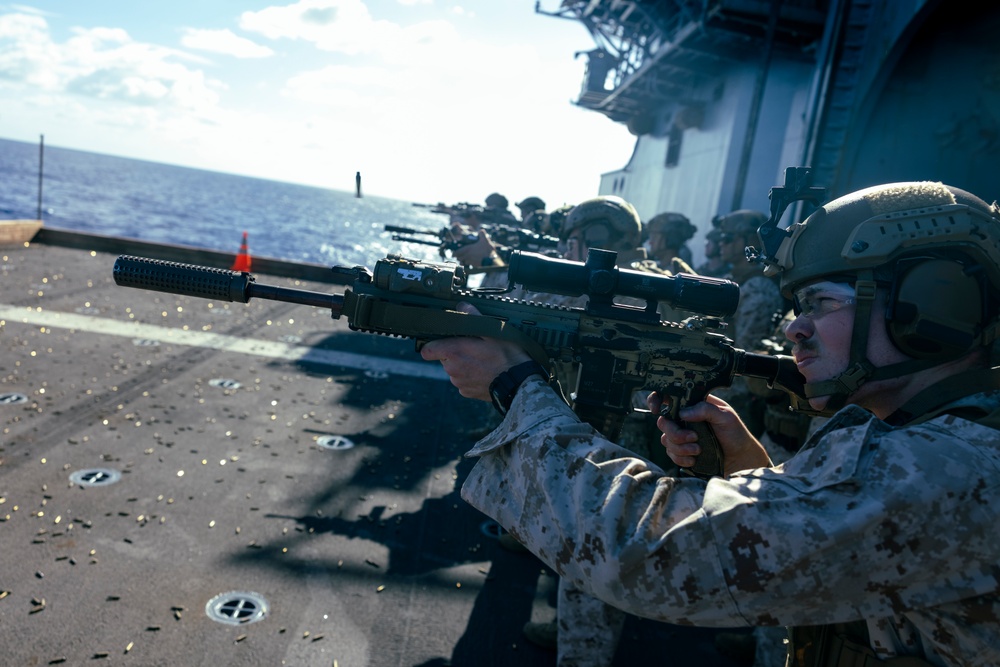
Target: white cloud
[[22, 26], [342, 86], [25, 9], [102, 64], [224, 41], [341, 26]]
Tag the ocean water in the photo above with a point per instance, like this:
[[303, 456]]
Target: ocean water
[[115, 196]]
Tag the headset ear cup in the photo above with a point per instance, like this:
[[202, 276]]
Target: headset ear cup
[[936, 311]]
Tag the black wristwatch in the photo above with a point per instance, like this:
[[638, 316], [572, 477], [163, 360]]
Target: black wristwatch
[[505, 386]]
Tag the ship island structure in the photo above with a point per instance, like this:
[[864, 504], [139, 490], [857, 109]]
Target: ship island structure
[[723, 95]]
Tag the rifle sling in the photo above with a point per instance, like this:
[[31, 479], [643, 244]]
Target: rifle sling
[[427, 324]]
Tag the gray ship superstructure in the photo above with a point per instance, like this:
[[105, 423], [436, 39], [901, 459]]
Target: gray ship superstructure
[[722, 95]]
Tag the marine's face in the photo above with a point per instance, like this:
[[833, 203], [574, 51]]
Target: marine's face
[[711, 248], [732, 247], [582, 239], [822, 332]]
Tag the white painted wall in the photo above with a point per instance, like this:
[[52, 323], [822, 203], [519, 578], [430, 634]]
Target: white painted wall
[[702, 184]]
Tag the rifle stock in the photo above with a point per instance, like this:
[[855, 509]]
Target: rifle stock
[[620, 349]]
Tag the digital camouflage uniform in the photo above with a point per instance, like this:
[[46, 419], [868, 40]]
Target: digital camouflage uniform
[[891, 525], [784, 433]]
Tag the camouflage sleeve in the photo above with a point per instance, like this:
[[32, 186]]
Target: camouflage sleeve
[[528, 491], [772, 546], [760, 299]]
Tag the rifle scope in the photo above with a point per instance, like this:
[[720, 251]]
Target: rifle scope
[[599, 278]]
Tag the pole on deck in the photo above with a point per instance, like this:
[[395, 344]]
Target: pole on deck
[[41, 162]]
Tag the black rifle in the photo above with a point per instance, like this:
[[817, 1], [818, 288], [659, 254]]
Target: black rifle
[[619, 348], [447, 239]]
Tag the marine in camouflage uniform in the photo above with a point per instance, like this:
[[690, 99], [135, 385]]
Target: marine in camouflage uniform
[[498, 211], [875, 541], [713, 265], [667, 235], [531, 208], [861, 524]]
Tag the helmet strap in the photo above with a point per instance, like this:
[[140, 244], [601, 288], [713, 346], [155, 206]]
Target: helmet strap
[[864, 295], [928, 403]]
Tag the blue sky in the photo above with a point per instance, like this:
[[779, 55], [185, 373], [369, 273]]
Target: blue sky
[[430, 100]]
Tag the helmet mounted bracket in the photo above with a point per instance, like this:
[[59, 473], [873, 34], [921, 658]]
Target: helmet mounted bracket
[[798, 187]]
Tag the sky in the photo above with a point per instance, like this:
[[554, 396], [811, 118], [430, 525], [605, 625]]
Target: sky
[[431, 100]]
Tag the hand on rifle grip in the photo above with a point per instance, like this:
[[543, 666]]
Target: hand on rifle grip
[[709, 463], [711, 440]]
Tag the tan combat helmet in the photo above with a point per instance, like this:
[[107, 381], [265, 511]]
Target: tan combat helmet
[[530, 204], [619, 216], [676, 228], [742, 222]]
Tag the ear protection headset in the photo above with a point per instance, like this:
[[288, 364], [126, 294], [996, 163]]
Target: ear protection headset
[[937, 307]]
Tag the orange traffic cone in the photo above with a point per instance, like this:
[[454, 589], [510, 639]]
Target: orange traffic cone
[[242, 262]]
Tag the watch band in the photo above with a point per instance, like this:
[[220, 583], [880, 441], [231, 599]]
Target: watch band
[[504, 387]]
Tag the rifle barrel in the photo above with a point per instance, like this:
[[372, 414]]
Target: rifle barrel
[[408, 230], [779, 370], [206, 282], [410, 239]]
